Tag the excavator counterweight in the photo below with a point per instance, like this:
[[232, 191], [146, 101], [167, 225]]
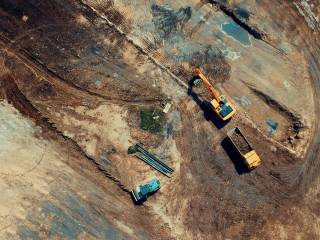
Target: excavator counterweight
[[220, 105]]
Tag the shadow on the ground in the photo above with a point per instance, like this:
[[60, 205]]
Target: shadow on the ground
[[235, 156], [143, 200], [205, 107]]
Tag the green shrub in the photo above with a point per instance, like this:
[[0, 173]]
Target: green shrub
[[152, 120]]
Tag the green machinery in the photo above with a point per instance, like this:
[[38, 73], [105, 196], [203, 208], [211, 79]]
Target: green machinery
[[142, 192]]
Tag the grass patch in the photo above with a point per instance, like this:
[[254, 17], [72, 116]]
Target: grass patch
[[152, 120]]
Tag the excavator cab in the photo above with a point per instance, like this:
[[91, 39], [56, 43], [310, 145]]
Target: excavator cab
[[223, 108]]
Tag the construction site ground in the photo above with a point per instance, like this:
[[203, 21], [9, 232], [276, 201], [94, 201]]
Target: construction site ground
[[83, 80]]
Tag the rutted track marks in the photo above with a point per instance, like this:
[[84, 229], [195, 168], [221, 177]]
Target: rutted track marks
[[34, 63], [280, 178], [57, 37]]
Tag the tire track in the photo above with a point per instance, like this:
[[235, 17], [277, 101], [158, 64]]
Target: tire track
[[34, 64]]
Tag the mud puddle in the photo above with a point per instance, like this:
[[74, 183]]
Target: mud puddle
[[237, 33]]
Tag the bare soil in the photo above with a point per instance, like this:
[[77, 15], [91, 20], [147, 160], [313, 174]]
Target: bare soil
[[80, 72]]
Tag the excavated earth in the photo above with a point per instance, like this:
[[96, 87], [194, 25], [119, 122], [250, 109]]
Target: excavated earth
[[78, 76]]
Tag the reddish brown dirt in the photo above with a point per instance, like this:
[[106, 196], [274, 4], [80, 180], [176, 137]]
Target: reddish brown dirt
[[76, 159], [48, 84]]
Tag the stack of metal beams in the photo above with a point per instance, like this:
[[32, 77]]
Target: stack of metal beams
[[152, 160]]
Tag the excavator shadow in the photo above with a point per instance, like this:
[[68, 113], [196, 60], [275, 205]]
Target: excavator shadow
[[205, 107], [235, 157]]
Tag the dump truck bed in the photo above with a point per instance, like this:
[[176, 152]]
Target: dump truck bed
[[242, 145], [240, 141]]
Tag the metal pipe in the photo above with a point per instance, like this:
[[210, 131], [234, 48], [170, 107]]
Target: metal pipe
[[153, 166], [155, 163], [144, 159], [141, 149]]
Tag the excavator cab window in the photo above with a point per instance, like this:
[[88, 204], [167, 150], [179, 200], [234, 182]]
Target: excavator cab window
[[222, 100], [225, 110]]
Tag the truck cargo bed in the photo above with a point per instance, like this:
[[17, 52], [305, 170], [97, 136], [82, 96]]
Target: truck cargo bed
[[239, 141]]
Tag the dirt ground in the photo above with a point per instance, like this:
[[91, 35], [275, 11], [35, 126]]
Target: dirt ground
[[77, 77]]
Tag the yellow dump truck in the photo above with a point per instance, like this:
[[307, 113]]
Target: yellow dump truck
[[248, 154]]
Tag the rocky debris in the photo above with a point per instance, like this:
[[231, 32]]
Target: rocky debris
[[290, 139], [297, 125], [240, 142], [168, 21], [305, 8]]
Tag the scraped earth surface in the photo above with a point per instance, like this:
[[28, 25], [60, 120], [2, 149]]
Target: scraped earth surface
[[76, 76]]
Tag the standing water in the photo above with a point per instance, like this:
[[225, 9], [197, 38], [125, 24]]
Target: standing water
[[236, 32], [242, 13]]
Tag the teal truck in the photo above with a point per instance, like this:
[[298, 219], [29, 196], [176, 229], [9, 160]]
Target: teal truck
[[141, 193]]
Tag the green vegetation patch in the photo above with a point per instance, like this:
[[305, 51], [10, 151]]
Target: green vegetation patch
[[152, 120]]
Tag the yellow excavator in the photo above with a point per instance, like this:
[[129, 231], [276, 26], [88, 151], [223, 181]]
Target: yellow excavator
[[220, 105]]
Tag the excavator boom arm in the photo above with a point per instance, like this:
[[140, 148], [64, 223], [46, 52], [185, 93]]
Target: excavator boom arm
[[206, 82]]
